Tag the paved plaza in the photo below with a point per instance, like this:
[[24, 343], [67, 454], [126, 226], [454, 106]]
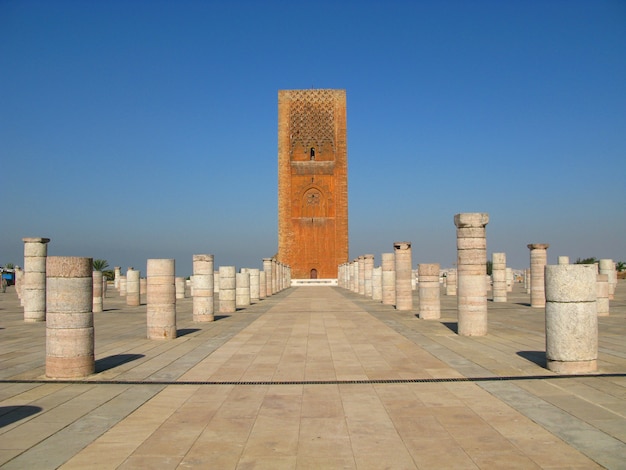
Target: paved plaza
[[313, 378]]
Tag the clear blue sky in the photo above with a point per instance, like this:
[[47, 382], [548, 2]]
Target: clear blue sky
[[148, 129]]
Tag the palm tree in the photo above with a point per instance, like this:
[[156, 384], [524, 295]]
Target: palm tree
[[620, 266], [100, 264]]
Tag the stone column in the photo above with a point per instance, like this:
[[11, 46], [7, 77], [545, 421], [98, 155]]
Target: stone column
[[498, 272], [19, 283], [255, 293], [216, 282], [227, 289], [34, 286], [563, 260], [377, 284], [133, 288], [143, 286], [571, 318], [97, 292], [428, 287], [203, 309], [274, 277], [116, 279], [267, 268], [451, 282], [602, 302], [361, 270], [105, 286], [388, 266], [242, 289], [179, 282], [356, 274], [69, 325], [368, 266], [404, 291], [527, 280], [161, 299], [122, 285], [509, 279], [607, 266], [538, 261], [262, 285], [471, 245]]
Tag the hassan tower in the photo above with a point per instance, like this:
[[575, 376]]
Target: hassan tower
[[312, 182]]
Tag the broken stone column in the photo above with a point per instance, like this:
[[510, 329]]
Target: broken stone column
[[571, 318], [563, 260], [428, 287], [355, 276], [361, 270], [19, 283], [368, 266], [34, 285], [255, 293], [471, 245], [143, 286], [161, 299], [69, 323], [227, 301], [133, 295], [116, 279], [242, 289], [538, 261], [267, 269], [388, 265], [179, 282], [527, 280], [203, 309], [451, 282], [602, 302], [262, 285], [377, 284], [122, 285], [404, 291], [105, 286], [607, 266], [509, 279], [498, 272], [97, 292]]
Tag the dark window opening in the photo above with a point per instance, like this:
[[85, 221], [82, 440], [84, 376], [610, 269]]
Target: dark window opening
[[313, 273], [312, 153]]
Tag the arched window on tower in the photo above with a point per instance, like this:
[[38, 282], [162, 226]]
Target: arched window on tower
[[312, 153]]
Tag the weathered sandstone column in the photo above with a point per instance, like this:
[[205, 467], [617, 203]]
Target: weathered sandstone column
[[377, 283], [228, 286], [69, 325], [97, 292], [498, 272], [203, 309], [242, 289], [355, 280], [274, 277], [607, 266], [361, 263], [267, 269], [509, 279], [527, 280], [105, 286], [262, 285], [602, 302], [388, 265], [428, 286], [161, 299], [571, 318], [179, 282], [255, 293], [404, 291], [538, 261], [116, 279], [471, 245], [19, 283], [143, 286], [368, 266], [563, 260], [451, 282], [34, 285], [122, 285], [133, 288]]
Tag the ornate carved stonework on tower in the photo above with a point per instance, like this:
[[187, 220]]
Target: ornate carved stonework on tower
[[312, 182]]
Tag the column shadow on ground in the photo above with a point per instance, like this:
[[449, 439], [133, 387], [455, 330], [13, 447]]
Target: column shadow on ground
[[538, 357], [186, 331], [115, 360], [453, 326], [220, 317], [11, 414]]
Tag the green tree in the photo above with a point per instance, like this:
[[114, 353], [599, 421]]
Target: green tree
[[489, 267], [620, 266], [9, 266], [592, 260], [100, 264]]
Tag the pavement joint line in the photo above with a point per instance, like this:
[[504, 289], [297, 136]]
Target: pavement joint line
[[315, 382]]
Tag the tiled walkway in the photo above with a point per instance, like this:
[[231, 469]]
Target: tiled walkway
[[313, 377]]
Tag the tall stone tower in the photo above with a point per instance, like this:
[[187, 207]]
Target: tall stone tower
[[312, 182]]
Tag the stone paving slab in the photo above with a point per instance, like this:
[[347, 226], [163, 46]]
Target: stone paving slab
[[313, 377]]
